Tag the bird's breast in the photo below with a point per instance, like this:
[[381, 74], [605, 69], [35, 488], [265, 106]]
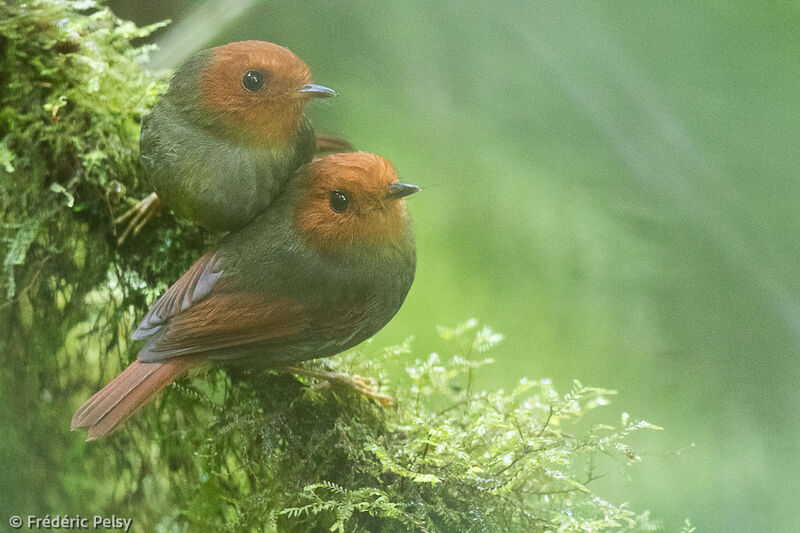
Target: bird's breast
[[210, 180]]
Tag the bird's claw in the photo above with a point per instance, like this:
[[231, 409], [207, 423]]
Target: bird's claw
[[364, 385], [139, 215]]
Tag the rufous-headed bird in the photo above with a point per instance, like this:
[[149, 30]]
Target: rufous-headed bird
[[226, 136], [324, 268]]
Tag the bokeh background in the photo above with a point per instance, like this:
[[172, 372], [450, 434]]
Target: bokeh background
[[612, 185]]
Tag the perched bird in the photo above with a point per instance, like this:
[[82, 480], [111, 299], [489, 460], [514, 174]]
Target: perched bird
[[327, 266], [227, 135]]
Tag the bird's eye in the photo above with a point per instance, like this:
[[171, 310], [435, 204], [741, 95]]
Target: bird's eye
[[339, 201], [253, 81]]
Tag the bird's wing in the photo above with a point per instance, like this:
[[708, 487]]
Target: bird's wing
[[204, 314], [191, 288], [227, 323]]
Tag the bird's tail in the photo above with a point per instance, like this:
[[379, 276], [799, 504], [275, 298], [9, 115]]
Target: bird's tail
[[109, 408], [331, 143]]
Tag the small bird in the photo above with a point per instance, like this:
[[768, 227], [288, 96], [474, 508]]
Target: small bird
[[326, 267], [227, 135]]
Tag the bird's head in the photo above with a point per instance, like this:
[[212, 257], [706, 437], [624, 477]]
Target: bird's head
[[352, 200], [257, 91]]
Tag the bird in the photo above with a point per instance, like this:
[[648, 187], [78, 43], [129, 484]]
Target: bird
[[223, 140], [323, 269]]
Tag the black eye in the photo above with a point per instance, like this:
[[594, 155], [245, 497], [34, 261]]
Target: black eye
[[339, 201], [253, 81]]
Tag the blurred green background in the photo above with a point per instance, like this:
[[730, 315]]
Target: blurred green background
[[613, 185]]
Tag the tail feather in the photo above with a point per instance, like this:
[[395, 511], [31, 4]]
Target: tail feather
[[112, 394], [109, 408], [331, 143]]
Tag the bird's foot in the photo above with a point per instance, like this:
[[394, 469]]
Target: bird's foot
[[364, 385], [139, 215]]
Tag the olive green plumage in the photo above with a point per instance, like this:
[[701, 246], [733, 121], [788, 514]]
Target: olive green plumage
[[217, 148]]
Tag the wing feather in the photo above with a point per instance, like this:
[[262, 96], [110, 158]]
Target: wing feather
[[203, 313], [228, 321], [192, 287]]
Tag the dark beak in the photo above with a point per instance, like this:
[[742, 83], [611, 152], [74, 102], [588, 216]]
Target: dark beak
[[317, 91], [399, 190]]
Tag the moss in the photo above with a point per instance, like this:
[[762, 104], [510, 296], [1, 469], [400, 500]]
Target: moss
[[72, 91], [448, 458], [241, 448]]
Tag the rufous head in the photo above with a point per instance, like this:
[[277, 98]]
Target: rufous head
[[257, 91], [352, 199]]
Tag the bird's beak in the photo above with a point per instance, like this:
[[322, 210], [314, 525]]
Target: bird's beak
[[399, 190], [317, 91]]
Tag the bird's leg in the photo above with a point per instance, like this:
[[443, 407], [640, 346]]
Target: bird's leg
[[139, 215], [364, 385]]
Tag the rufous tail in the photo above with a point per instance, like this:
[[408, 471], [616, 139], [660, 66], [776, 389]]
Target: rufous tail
[[109, 408], [331, 143]]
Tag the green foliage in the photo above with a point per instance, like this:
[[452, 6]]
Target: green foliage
[[72, 91], [447, 458], [243, 448], [246, 449]]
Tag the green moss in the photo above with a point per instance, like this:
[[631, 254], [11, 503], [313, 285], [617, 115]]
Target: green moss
[[241, 448], [72, 91], [246, 449]]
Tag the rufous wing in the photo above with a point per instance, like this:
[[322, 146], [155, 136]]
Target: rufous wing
[[203, 313], [228, 321], [192, 287]]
